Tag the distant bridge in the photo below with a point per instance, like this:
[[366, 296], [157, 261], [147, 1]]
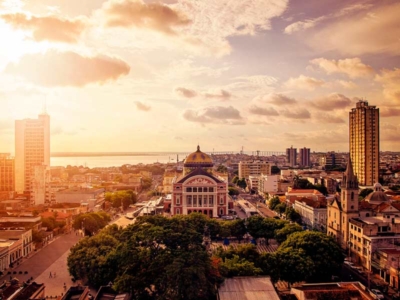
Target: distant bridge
[[169, 153]]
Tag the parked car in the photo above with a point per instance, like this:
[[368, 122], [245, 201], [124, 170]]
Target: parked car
[[377, 294], [227, 217]]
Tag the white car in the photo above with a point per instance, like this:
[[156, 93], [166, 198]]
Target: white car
[[377, 294]]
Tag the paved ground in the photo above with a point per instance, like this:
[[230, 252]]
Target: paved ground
[[52, 258]]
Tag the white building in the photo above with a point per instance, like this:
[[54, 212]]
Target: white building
[[32, 148], [268, 184], [313, 213], [40, 184]]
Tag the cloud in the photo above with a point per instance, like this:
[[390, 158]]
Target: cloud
[[274, 99], [332, 102], [296, 113], [215, 114], [389, 112], [328, 118], [141, 106], [352, 67], [214, 21], [390, 80], [310, 23], [47, 28], [55, 68], [263, 111], [136, 13], [220, 95], [346, 84], [375, 31], [302, 25], [304, 82], [184, 92]]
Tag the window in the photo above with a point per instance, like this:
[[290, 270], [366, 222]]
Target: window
[[204, 189], [189, 189], [221, 211], [211, 200], [178, 211], [211, 189], [221, 199], [200, 190], [178, 200], [205, 201], [352, 195], [195, 201], [200, 201], [195, 190], [189, 200]]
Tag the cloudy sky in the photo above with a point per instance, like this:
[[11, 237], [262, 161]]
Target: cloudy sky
[[134, 75]]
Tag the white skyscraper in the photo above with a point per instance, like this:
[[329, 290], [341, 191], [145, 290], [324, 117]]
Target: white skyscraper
[[32, 151]]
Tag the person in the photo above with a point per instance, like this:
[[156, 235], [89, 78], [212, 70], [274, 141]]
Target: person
[[50, 276]]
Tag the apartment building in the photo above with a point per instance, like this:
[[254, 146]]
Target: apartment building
[[254, 168]]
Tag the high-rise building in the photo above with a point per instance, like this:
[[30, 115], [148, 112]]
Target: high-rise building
[[7, 175], [304, 157], [32, 151], [253, 168], [364, 142], [291, 155]]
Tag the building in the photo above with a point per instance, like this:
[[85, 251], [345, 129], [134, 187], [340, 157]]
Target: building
[[313, 213], [332, 160], [340, 211], [304, 157], [291, 156], [78, 195], [7, 176], [32, 149], [364, 142], [198, 189], [254, 168], [268, 184]]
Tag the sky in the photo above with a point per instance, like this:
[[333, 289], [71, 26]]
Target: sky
[[135, 75]]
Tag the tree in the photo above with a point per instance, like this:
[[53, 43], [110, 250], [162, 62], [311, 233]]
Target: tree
[[273, 202], [236, 266], [233, 191], [235, 180], [91, 222], [275, 170], [146, 183], [37, 237], [238, 229], [292, 215], [280, 208], [242, 183], [290, 265], [365, 192], [222, 169], [320, 248], [282, 234], [321, 188]]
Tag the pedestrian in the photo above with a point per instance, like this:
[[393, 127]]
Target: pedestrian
[[50, 276]]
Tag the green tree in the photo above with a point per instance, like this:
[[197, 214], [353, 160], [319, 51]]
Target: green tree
[[242, 183], [236, 266], [282, 234], [275, 170], [222, 169], [365, 192], [290, 265], [235, 180], [37, 237], [280, 208], [321, 188], [146, 183], [233, 191], [292, 215], [273, 202], [238, 229], [320, 248], [91, 222]]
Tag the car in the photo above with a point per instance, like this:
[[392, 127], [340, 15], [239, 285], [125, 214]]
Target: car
[[227, 217], [377, 294]]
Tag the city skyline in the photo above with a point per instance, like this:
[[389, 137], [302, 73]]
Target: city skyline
[[131, 76]]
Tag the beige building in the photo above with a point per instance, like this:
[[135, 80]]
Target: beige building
[[7, 175], [364, 142], [32, 149], [340, 211], [254, 168]]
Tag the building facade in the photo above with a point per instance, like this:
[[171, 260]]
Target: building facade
[[32, 149], [291, 156], [364, 142], [198, 189], [7, 176], [304, 157], [254, 168]]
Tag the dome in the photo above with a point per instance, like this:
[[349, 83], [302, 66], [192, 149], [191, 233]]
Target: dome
[[378, 195], [198, 159]]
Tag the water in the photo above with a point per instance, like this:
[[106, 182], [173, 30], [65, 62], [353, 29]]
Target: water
[[111, 161]]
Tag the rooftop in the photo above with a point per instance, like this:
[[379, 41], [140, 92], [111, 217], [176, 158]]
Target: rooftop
[[247, 288]]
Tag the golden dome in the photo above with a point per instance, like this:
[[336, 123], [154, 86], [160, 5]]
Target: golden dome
[[199, 159]]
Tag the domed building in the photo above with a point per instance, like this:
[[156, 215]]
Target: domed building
[[199, 189], [377, 196], [196, 160]]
